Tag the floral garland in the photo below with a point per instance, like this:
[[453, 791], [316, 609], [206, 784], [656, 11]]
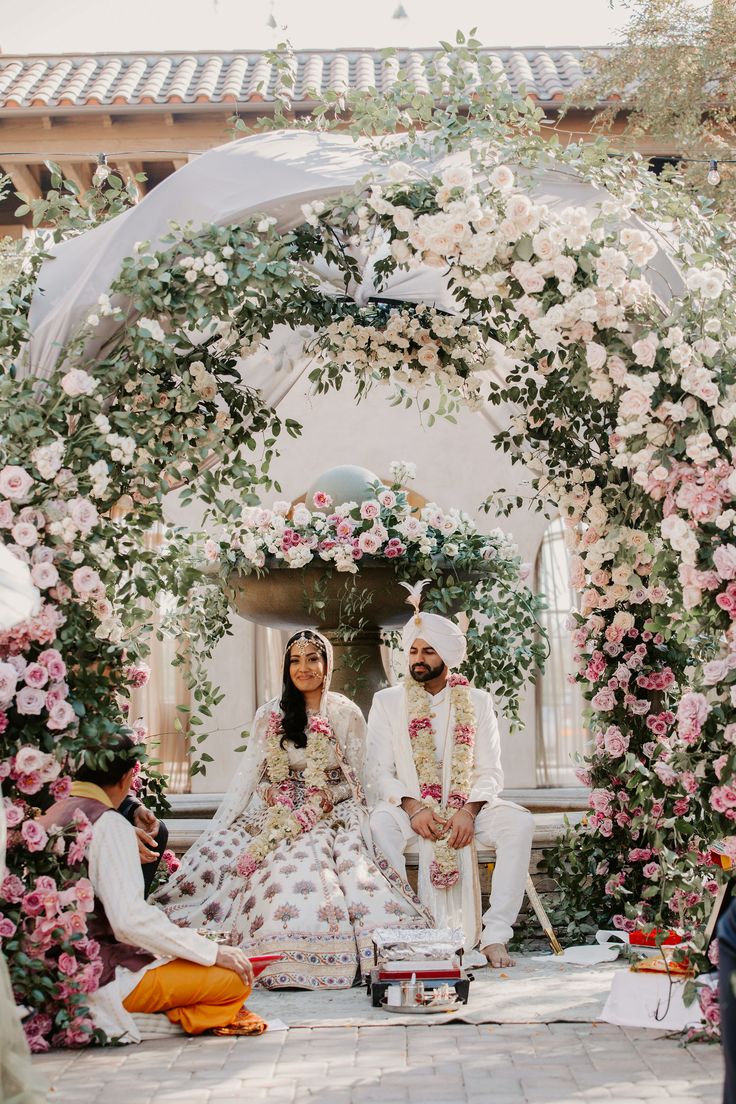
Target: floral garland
[[283, 820], [443, 871]]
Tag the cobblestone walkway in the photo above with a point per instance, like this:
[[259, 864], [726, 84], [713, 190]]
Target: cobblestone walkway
[[451, 1064]]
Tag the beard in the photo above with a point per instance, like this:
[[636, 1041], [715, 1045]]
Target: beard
[[422, 672]]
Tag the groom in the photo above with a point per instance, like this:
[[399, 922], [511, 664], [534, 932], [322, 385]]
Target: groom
[[405, 813]]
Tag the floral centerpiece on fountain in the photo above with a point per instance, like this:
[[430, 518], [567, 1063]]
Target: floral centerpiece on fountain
[[385, 526]]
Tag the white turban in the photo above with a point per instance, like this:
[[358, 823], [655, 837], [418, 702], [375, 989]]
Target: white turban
[[442, 634]]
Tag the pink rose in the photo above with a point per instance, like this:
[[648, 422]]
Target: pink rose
[[666, 774], [85, 580], [51, 659], [61, 788], [6, 514], [60, 716], [724, 560], [600, 800], [83, 513], [35, 675], [321, 500], [29, 759], [15, 482], [692, 711], [33, 903], [8, 682], [715, 671], [44, 575], [14, 815], [29, 701], [29, 783], [11, 889], [7, 927], [651, 870], [34, 836], [171, 861], [25, 534], [68, 964], [370, 509], [604, 700], [344, 528], [615, 743], [85, 894]]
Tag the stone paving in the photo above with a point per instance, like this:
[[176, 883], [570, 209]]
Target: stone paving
[[557, 1063]]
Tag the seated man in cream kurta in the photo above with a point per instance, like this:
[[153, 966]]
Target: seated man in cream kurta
[[434, 757], [148, 964]]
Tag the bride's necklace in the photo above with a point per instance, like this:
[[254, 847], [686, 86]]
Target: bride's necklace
[[283, 820]]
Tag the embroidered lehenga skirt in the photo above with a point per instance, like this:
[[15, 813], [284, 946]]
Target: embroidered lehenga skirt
[[314, 900]]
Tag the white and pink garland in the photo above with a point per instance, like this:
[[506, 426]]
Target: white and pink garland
[[444, 871], [284, 820]]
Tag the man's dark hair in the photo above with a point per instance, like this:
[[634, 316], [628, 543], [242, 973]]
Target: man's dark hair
[[125, 753]]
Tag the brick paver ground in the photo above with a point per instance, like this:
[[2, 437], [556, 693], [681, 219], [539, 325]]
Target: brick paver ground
[[451, 1064]]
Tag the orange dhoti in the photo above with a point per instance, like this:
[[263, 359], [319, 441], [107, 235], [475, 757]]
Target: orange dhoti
[[199, 998]]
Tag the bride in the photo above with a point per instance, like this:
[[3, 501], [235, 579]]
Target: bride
[[288, 865]]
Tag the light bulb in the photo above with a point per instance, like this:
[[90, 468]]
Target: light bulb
[[714, 177], [102, 171]]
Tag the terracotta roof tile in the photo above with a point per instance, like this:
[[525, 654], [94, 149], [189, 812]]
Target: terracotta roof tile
[[43, 83]]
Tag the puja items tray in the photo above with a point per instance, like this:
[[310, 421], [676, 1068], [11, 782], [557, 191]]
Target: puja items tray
[[379, 986], [434, 955]]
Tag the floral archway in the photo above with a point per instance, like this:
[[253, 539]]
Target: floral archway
[[613, 312]]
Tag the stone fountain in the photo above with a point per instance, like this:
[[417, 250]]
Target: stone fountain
[[317, 596]]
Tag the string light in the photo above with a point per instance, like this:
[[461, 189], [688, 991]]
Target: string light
[[102, 171], [714, 177]]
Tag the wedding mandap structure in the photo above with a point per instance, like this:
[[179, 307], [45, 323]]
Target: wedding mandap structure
[[516, 325], [153, 114]]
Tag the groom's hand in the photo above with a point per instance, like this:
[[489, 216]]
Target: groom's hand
[[427, 825], [461, 829]]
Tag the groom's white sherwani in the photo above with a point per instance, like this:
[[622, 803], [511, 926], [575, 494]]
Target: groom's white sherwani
[[500, 824]]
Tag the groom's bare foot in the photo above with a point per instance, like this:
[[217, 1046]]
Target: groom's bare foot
[[497, 956]]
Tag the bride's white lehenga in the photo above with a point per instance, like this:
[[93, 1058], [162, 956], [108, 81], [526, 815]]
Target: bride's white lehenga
[[315, 899]]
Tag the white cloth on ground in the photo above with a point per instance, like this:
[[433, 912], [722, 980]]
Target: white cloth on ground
[[117, 878]]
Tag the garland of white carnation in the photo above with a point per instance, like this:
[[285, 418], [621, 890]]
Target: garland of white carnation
[[444, 871], [283, 820]]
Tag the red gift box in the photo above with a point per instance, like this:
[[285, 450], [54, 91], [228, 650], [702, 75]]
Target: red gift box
[[643, 938]]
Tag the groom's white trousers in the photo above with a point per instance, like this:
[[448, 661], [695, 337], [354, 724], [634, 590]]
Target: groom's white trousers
[[506, 827]]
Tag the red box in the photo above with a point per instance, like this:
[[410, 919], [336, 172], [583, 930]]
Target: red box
[[642, 938], [260, 962]]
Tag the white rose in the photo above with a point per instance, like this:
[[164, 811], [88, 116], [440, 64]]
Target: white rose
[[403, 219], [153, 327], [502, 178], [78, 382], [645, 350], [595, 355]]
